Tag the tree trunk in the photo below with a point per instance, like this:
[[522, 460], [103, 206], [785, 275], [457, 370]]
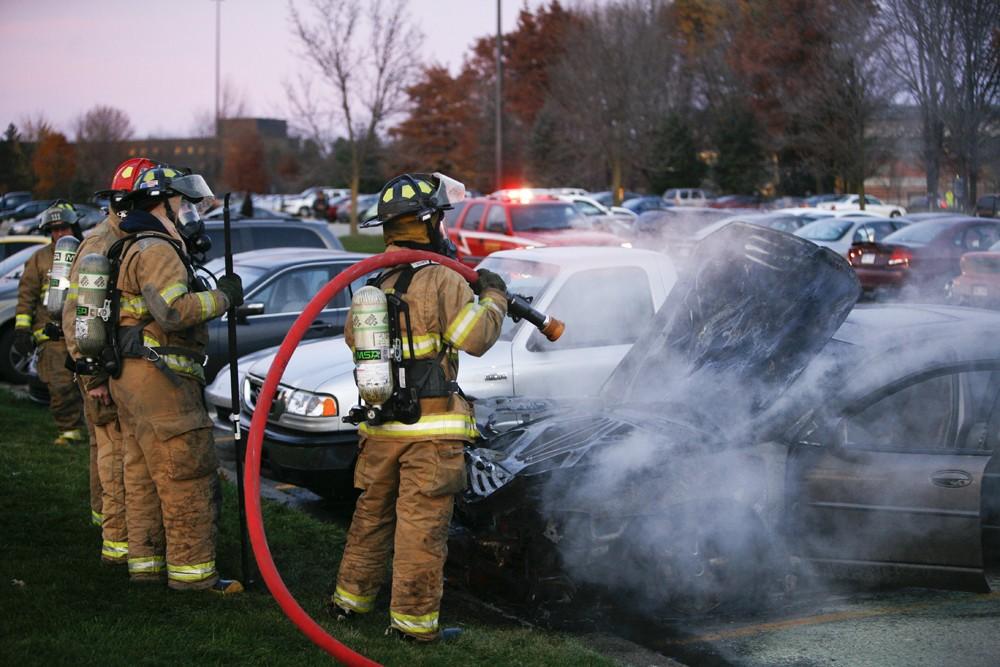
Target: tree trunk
[[355, 183], [933, 136], [616, 179]]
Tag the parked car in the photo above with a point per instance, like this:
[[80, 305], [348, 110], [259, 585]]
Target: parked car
[[13, 366], [988, 206], [644, 204], [925, 203], [839, 233], [11, 201], [816, 200], [607, 198], [364, 203], [590, 207], [318, 450], [28, 210], [254, 234], [738, 446], [278, 283], [493, 223], [10, 245], [675, 230], [979, 283], [923, 257], [853, 203], [687, 197], [302, 203], [235, 213], [738, 201]]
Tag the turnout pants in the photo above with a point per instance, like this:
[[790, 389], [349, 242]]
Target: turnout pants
[[107, 477], [405, 507], [65, 403], [171, 483]]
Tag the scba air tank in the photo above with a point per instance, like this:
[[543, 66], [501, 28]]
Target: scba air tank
[[62, 260], [370, 320], [92, 305]]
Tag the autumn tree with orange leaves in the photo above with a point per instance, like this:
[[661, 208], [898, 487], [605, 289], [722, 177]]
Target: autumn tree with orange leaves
[[54, 164]]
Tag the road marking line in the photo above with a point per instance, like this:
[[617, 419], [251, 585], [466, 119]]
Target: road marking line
[[833, 617]]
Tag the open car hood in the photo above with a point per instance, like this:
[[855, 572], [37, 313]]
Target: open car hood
[[754, 308]]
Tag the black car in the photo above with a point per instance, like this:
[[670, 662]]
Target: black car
[[758, 431], [29, 209], [261, 234], [278, 284], [11, 201], [988, 206]]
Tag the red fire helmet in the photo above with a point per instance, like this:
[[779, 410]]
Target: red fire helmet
[[128, 171]]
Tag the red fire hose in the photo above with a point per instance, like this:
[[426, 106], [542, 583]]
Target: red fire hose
[[255, 523]]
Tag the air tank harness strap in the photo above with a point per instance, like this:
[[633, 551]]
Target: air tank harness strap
[[132, 346], [424, 375]]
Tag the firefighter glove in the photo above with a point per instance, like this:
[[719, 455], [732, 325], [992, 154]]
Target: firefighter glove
[[488, 280], [232, 286], [23, 342]]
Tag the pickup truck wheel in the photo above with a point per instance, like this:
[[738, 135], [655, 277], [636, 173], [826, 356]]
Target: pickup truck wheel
[[304, 212]]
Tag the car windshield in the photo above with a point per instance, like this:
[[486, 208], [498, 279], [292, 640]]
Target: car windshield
[[921, 232], [530, 217], [825, 230], [529, 279]]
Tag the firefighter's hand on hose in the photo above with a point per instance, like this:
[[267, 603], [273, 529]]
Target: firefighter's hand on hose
[[23, 342], [488, 280], [232, 286], [101, 394]]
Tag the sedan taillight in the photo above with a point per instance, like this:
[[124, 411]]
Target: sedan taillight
[[900, 257]]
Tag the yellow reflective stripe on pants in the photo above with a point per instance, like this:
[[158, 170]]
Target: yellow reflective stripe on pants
[[114, 550], [172, 292], [359, 603], [198, 572], [464, 323], [427, 427], [22, 321], [146, 564], [416, 625], [39, 335], [96, 518]]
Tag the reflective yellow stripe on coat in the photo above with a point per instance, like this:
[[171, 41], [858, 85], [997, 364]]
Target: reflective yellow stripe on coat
[[427, 427]]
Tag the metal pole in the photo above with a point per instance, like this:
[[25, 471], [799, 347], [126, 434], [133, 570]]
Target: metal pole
[[499, 105], [234, 389]]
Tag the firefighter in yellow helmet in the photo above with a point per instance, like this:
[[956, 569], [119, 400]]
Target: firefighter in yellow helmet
[[171, 479], [35, 326], [409, 468], [107, 449]]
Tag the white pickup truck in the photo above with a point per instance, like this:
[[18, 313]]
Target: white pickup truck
[[604, 295]]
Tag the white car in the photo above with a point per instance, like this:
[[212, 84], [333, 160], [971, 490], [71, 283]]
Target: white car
[[302, 203], [839, 232], [872, 205], [590, 207], [687, 197], [605, 296]]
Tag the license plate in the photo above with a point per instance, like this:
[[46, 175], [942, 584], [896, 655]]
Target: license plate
[[868, 258], [979, 290]]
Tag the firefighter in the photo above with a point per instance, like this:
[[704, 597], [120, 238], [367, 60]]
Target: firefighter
[[171, 483], [409, 472], [107, 484], [34, 326]]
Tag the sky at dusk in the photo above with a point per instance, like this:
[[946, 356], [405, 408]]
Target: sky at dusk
[[156, 60]]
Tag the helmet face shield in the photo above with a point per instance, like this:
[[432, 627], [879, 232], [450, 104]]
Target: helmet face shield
[[449, 191], [192, 187]]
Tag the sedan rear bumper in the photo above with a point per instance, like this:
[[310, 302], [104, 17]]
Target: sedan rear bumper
[[872, 279]]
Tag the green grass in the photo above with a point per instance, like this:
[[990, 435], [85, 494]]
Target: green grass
[[363, 243], [61, 606]]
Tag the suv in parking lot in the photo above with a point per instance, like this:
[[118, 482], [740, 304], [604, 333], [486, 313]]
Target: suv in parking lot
[[687, 197], [489, 224]]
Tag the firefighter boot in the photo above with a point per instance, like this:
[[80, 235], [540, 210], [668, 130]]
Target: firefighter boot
[[227, 587], [71, 437]]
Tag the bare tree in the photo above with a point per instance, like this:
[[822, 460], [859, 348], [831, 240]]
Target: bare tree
[[920, 52], [363, 54], [99, 131], [34, 127], [232, 104], [972, 90], [616, 81]]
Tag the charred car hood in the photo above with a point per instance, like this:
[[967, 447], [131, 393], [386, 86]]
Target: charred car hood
[[754, 308]]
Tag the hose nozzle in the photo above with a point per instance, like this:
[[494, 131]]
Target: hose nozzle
[[518, 307]]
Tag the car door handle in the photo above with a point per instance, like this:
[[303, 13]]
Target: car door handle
[[951, 479], [495, 377]]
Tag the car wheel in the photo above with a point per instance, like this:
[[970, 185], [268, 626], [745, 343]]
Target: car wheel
[[895, 214], [13, 366], [304, 212]]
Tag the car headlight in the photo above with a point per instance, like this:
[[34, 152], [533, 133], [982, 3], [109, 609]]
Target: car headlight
[[626, 245], [308, 404]]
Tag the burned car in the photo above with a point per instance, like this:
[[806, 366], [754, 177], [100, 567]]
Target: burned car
[[761, 428]]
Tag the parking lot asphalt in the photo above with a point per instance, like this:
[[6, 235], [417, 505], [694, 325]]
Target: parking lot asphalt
[[881, 628]]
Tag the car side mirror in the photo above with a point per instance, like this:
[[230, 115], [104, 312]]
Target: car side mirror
[[247, 309]]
